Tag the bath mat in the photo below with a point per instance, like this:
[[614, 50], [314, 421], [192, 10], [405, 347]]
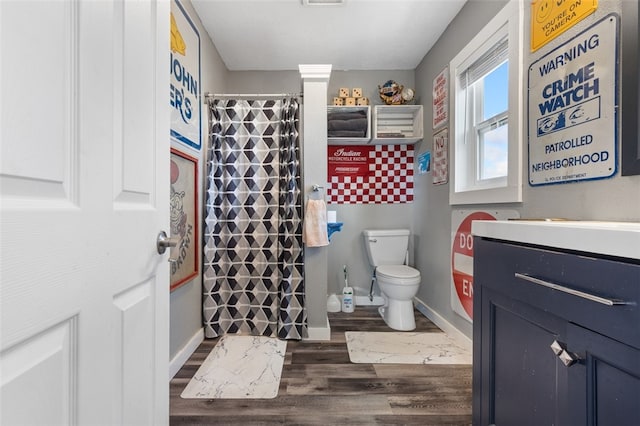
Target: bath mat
[[404, 348], [239, 367]]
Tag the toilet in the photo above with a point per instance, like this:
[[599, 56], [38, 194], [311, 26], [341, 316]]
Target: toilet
[[387, 250]]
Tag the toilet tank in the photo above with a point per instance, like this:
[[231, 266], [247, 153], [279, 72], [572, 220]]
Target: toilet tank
[[386, 246]]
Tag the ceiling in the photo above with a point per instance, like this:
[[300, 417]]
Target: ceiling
[[357, 35]]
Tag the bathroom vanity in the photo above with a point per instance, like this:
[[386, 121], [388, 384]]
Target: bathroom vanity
[[556, 331]]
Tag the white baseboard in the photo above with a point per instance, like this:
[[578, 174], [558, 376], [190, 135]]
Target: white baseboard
[[319, 333], [364, 301], [183, 354], [443, 324]]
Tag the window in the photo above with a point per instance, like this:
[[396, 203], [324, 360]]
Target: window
[[486, 148]]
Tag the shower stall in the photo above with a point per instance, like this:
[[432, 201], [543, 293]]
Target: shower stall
[[253, 257]]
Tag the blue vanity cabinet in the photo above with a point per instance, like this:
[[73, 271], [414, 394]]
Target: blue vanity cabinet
[[606, 380], [548, 348], [515, 383]]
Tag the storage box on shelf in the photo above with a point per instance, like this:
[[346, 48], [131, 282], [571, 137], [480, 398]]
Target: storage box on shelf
[[397, 124], [392, 124], [350, 140]]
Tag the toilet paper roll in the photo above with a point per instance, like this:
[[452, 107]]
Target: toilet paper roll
[[331, 216]]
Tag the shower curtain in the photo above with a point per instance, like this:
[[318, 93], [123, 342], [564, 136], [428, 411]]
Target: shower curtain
[[253, 254]]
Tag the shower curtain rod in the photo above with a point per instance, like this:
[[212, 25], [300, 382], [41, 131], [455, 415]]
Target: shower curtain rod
[[208, 95]]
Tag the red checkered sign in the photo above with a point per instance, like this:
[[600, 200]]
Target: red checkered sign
[[380, 174]]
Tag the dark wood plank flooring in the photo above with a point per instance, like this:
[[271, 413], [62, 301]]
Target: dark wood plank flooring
[[319, 386]]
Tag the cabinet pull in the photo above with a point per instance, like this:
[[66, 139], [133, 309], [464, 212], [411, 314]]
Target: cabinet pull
[[566, 357], [588, 296]]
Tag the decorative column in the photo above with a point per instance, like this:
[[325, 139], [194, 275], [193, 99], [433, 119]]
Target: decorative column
[[315, 79]]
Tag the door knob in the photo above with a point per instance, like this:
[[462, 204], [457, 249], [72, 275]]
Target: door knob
[[162, 242]]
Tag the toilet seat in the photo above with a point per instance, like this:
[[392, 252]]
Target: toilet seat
[[398, 274]]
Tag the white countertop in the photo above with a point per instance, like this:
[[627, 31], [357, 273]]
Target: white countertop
[[609, 238]]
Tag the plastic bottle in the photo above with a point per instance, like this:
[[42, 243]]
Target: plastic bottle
[[347, 300], [333, 303], [347, 295]]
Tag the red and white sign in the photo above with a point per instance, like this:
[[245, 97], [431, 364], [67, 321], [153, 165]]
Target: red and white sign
[[440, 157], [462, 256], [349, 160], [441, 98]]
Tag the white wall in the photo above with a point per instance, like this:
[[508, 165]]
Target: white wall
[[264, 82]]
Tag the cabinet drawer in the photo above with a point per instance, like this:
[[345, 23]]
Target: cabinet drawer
[[572, 286]]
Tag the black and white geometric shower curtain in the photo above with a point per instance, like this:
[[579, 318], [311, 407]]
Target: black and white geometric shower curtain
[[253, 279]]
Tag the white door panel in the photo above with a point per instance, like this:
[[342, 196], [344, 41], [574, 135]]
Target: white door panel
[[83, 194], [35, 367], [38, 106]]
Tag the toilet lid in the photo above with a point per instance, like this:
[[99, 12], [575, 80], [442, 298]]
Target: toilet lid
[[397, 271]]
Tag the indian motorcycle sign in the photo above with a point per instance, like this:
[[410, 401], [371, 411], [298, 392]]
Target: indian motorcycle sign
[[351, 161], [573, 107]]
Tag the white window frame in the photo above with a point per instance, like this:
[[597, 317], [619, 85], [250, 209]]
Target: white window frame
[[464, 187]]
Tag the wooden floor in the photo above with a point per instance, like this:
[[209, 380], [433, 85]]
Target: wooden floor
[[319, 386]]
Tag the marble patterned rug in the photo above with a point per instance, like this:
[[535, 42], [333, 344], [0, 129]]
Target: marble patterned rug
[[239, 367], [404, 348]]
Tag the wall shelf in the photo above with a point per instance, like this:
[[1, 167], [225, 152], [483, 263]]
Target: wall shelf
[[392, 124], [397, 124], [350, 140]]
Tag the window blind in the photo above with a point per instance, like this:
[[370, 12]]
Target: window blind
[[485, 64]]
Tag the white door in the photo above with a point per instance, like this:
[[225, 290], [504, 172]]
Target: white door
[[84, 191]]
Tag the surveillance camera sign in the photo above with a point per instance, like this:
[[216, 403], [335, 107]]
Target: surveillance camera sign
[[573, 108]]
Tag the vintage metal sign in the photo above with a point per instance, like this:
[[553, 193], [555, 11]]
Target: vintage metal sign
[[441, 98], [573, 104], [550, 18], [441, 157], [185, 87], [462, 256]]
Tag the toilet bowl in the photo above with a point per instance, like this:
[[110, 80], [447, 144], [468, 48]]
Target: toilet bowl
[[399, 283]]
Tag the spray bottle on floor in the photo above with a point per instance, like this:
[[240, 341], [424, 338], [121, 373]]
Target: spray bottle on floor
[[347, 294]]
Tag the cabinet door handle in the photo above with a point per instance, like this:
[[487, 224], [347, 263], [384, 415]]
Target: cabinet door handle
[[582, 294], [566, 357]]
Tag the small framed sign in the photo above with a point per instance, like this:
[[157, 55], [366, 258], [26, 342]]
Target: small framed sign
[[184, 218]]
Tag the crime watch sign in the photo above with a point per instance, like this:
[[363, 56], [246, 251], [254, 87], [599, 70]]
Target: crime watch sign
[[573, 104]]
